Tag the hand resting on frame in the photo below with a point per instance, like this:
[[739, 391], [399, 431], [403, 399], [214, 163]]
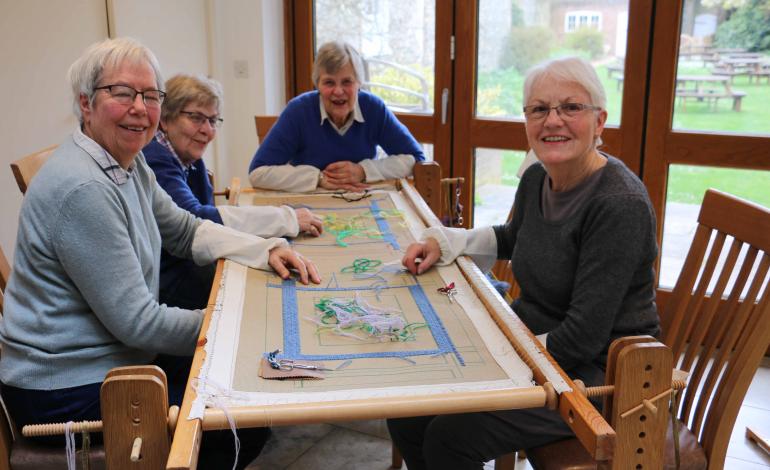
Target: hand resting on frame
[[283, 259]]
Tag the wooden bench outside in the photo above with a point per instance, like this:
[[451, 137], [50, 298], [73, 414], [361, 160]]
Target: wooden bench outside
[[731, 73], [711, 97], [764, 73]]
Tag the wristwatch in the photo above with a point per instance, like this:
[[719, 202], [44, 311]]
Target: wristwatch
[[320, 178]]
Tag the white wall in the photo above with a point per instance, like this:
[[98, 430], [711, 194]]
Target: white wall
[[248, 31], [39, 39]]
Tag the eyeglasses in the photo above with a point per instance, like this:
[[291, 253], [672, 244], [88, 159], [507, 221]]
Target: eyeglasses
[[126, 95], [198, 119], [566, 111], [352, 197]]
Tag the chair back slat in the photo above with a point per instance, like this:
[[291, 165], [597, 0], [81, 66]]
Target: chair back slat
[[715, 335], [707, 309], [695, 301], [737, 316], [737, 378], [676, 326], [263, 125], [720, 336]]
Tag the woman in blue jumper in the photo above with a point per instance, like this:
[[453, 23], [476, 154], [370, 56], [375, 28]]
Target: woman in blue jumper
[[328, 138], [582, 244], [189, 120], [82, 297]]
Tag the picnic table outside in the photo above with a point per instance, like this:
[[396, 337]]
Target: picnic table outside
[[749, 66], [709, 88]]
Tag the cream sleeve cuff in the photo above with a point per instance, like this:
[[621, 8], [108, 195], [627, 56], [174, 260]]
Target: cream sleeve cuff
[[478, 243], [393, 166], [213, 241], [262, 221], [290, 178]]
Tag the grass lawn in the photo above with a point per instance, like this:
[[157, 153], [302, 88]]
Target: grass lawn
[[500, 96]]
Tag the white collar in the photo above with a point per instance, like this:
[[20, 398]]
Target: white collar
[[357, 115]]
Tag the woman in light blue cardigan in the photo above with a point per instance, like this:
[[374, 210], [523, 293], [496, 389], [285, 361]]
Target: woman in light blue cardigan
[[82, 297]]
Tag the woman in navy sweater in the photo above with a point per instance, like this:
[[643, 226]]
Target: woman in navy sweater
[[328, 138], [189, 121]]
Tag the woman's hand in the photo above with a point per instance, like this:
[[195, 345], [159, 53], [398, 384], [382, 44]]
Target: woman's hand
[[309, 222], [428, 252], [283, 259], [344, 175]]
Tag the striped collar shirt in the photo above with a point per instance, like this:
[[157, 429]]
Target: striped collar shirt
[[106, 162], [162, 139]]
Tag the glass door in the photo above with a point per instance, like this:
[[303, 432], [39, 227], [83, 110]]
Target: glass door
[[497, 42], [406, 47], [708, 123]]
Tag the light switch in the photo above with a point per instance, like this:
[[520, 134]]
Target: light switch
[[241, 69]]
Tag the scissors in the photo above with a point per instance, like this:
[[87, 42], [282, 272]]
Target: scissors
[[290, 364]]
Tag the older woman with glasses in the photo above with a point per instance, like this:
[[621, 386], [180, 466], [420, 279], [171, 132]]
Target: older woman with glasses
[[82, 298], [583, 246], [328, 138], [189, 120]]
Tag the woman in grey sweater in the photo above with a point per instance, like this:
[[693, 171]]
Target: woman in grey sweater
[[82, 297], [583, 246]]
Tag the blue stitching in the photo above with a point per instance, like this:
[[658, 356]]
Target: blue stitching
[[335, 289], [342, 208], [290, 318], [434, 322], [382, 223], [291, 343]]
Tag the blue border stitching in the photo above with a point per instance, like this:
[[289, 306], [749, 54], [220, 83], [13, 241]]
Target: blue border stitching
[[291, 341]]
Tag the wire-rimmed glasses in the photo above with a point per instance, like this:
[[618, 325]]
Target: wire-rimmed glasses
[[199, 118], [566, 111]]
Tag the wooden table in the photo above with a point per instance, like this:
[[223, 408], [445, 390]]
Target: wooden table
[[709, 88], [749, 66], [592, 430]]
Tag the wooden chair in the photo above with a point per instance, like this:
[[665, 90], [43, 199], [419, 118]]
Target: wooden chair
[[16, 451], [264, 124], [503, 272], [5, 274], [134, 403], [717, 324], [25, 168]]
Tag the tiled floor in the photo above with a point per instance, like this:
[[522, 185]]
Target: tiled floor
[[365, 444]]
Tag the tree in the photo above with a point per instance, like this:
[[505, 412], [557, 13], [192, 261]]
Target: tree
[[748, 26]]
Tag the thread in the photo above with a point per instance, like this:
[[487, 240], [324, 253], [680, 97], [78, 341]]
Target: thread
[[349, 316], [69, 438], [215, 392]]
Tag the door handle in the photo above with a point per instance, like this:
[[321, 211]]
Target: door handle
[[444, 104]]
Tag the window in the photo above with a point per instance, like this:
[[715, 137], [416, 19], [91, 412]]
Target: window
[[574, 20]]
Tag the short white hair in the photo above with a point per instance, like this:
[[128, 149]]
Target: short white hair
[[334, 55], [86, 72], [568, 69]]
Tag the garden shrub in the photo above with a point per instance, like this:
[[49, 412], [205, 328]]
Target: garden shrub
[[586, 39], [526, 46], [748, 27]]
